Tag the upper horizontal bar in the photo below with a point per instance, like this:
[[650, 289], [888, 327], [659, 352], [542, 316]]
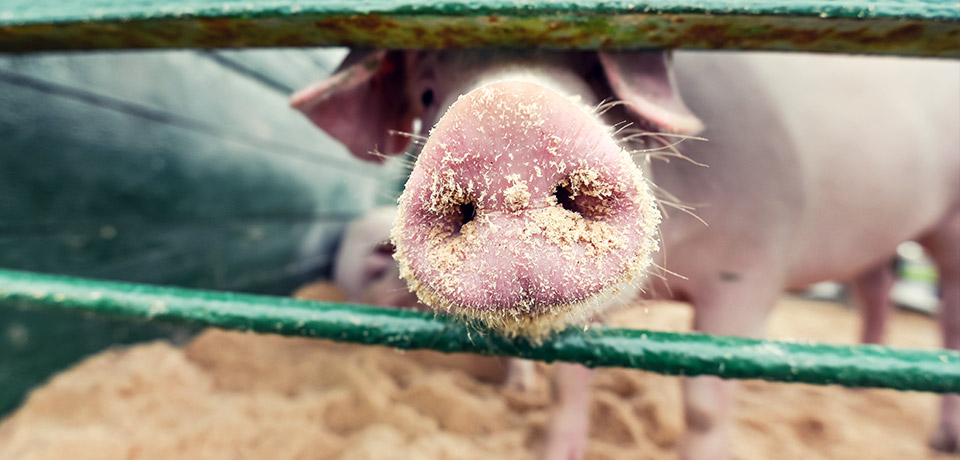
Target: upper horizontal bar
[[663, 352], [907, 27]]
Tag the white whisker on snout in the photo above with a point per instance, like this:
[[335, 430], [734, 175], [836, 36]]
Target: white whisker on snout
[[407, 164], [682, 208], [666, 199], [376, 152], [664, 270], [417, 138], [665, 150], [637, 133], [626, 124], [664, 156], [605, 105]]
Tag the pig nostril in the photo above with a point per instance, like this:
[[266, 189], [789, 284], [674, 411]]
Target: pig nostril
[[583, 202], [466, 212], [565, 199]]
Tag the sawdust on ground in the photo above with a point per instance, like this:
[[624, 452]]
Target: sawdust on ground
[[231, 395]]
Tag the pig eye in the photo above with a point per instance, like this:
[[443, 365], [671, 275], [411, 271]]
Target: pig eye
[[385, 247], [427, 98], [377, 274]]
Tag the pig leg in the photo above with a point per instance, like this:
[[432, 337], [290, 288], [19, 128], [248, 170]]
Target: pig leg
[[521, 375], [871, 290], [943, 244], [566, 437], [727, 306]]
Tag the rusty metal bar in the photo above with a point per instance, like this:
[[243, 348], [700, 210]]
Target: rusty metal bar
[[915, 27]]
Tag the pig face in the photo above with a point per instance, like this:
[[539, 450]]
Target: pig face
[[524, 210], [365, 270]]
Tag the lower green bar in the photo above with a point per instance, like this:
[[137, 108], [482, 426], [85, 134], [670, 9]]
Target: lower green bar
[[667, 353]]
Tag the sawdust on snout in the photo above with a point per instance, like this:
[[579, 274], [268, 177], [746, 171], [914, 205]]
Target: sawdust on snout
[[584, 240], [453, 247], [517, 196], [446, 195]]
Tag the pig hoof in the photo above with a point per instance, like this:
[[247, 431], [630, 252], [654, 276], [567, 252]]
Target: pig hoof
[[523, 212], [945, 439]]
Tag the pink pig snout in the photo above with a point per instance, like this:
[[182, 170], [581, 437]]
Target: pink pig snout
[[523, 211]]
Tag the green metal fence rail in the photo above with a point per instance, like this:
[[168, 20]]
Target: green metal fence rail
[[908, 27], [667, 353]]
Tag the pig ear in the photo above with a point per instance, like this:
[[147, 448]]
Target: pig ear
[[644, 80], [361, 103]]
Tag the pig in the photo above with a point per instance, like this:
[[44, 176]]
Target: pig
[[818, 166], [364, 269]]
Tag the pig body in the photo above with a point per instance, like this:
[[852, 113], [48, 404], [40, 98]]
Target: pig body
[[828, 162], [818, 168]]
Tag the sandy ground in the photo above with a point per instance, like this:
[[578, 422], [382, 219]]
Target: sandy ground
[[231, 395]]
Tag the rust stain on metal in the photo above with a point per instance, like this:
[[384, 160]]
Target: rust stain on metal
[[800, 38], [216, 24], [904, 34], [729, 36], [719, 36], [901, 35], [558, 31], [373, 23], [711, 33]]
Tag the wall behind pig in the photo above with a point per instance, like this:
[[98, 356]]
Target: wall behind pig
[[172, 167]]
